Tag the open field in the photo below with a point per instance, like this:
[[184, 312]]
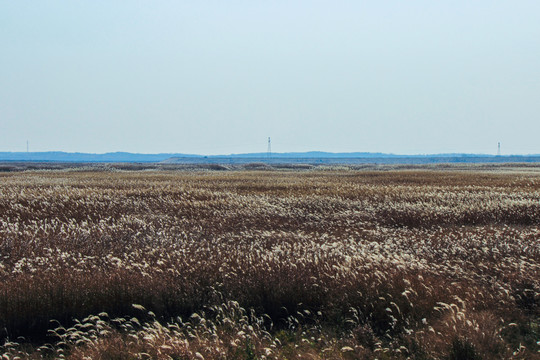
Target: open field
[[313, 264]]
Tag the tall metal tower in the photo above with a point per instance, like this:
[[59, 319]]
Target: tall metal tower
[[499, 149], [269, 151]]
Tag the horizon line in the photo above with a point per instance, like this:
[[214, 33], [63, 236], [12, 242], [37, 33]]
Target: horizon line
[[264, 154]]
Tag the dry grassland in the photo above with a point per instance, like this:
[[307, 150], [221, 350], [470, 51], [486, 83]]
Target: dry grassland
[[270, 265]]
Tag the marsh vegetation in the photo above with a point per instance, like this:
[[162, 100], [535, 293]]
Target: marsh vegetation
[[314, 264]]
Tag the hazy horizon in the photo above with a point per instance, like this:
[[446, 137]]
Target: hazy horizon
[[209, 78], [265, 154]]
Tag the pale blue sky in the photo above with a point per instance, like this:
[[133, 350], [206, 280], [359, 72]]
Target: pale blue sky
[[214, 77]]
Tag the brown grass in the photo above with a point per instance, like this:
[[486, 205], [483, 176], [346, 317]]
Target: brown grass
[[316, 264]]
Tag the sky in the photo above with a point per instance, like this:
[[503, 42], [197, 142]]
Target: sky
[[220, 77]]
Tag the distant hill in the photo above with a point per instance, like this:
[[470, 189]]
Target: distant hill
[[312, 157]]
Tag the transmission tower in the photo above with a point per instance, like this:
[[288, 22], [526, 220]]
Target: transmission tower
[[269, 151], [499, 149]]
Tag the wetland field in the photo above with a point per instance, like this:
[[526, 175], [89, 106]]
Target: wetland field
[[320, 263]]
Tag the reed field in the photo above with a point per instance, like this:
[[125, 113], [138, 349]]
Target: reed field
[[313, 264]]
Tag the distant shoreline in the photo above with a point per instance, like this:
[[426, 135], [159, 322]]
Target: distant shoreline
[[17, 166], [314, 158]]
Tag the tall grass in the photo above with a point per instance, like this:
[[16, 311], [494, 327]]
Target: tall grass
[[330, 264]]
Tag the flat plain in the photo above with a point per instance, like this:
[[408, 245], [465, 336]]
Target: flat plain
[[316, 264]]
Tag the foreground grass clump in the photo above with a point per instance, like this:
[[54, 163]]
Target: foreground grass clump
[[262, 264]]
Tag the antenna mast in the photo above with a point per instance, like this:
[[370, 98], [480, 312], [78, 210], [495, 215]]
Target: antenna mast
[[499, 149], [269, 151]]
